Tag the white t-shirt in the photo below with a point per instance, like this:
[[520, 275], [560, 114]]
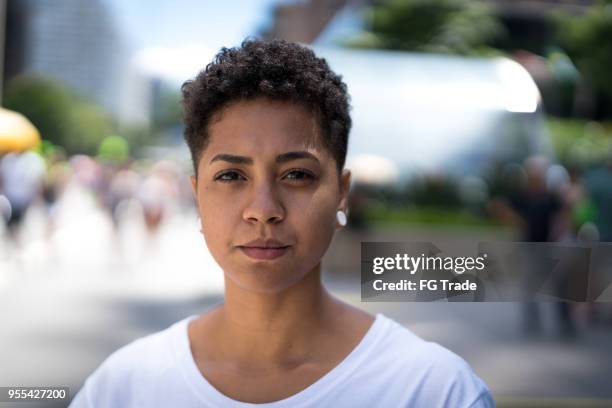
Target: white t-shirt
[[390, 367]]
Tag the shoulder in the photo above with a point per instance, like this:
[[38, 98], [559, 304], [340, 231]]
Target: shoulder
[[139, 364], [145, 354], [408, 348], [430, 371]]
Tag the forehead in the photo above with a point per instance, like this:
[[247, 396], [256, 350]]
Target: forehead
[[262, 126]]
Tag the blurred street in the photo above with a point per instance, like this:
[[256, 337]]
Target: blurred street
[[63, 315]]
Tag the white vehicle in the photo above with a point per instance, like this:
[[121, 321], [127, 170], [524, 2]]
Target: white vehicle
[[425, 113]]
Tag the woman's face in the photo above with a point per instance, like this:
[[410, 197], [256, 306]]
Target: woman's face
[[265, 176]]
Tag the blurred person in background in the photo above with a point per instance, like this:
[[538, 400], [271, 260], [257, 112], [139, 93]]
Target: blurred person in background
[[582, 231], [56, 179], [158, 194], [598, 185], [567, 229], [119, 191], [536, 204], [23, 176], [540, 213], [267, 124], [87, 175]]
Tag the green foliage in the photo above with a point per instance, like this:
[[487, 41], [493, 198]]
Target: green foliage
[[48, 150], [167, 112], [440, 192], [588, 41], [580, 143], [114, 149], [425, 215], [138, 137], [89, 125], [61, 117], [460, 27], [45, 103]]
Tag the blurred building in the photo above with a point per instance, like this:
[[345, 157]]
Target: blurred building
[[303, 21], [78, 43]]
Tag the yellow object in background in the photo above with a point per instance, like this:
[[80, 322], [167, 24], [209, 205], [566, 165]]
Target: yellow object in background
[[17, 133]]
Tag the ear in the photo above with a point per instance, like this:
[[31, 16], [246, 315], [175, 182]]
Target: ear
[[345, 186]]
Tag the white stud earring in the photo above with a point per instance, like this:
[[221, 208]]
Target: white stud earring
[[341, 217]]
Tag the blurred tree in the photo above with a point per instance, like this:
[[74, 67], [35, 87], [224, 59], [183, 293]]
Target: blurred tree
[[167, 109], [114, 149], [460, 27], [588, 41], [578, 143], [138, 138], [434, 191], [44, 102], [62, 118], [89, 126]]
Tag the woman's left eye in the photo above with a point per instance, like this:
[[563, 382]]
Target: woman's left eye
[[299, 175]]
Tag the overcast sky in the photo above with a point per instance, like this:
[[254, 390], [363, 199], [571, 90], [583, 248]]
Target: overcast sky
[[170, 23], [171, 37]]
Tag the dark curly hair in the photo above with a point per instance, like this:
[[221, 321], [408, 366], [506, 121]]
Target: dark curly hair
[[276, 69]]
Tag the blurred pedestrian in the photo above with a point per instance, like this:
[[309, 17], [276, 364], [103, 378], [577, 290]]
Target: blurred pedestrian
[[598, 185], [538, 211], [22, 178]]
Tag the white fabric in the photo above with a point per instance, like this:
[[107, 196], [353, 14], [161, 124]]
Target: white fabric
[[390, 367]]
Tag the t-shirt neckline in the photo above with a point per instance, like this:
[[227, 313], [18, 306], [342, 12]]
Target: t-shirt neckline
[[208, 394]]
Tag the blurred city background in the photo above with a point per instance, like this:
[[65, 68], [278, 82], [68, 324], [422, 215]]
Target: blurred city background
[[473, 120]]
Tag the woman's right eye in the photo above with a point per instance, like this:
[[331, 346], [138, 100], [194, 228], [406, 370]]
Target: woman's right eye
[[228, 176]]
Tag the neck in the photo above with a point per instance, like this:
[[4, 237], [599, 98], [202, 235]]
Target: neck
[[274, 329]]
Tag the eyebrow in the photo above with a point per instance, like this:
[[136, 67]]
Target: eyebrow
[[281, 158]]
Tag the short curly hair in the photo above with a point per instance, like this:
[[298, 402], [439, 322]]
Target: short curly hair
[[275, 69]]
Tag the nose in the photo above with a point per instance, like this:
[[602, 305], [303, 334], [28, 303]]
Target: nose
[[264, 205]]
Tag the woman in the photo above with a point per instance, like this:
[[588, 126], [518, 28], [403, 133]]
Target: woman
[[267, 125]]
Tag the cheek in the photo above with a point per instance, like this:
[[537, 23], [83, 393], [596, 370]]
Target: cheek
[[314, 220], [213, 204], [216, 217]]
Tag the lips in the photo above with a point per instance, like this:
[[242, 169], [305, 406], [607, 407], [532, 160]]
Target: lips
[[264, 248], [265, 243], [264, 253]]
